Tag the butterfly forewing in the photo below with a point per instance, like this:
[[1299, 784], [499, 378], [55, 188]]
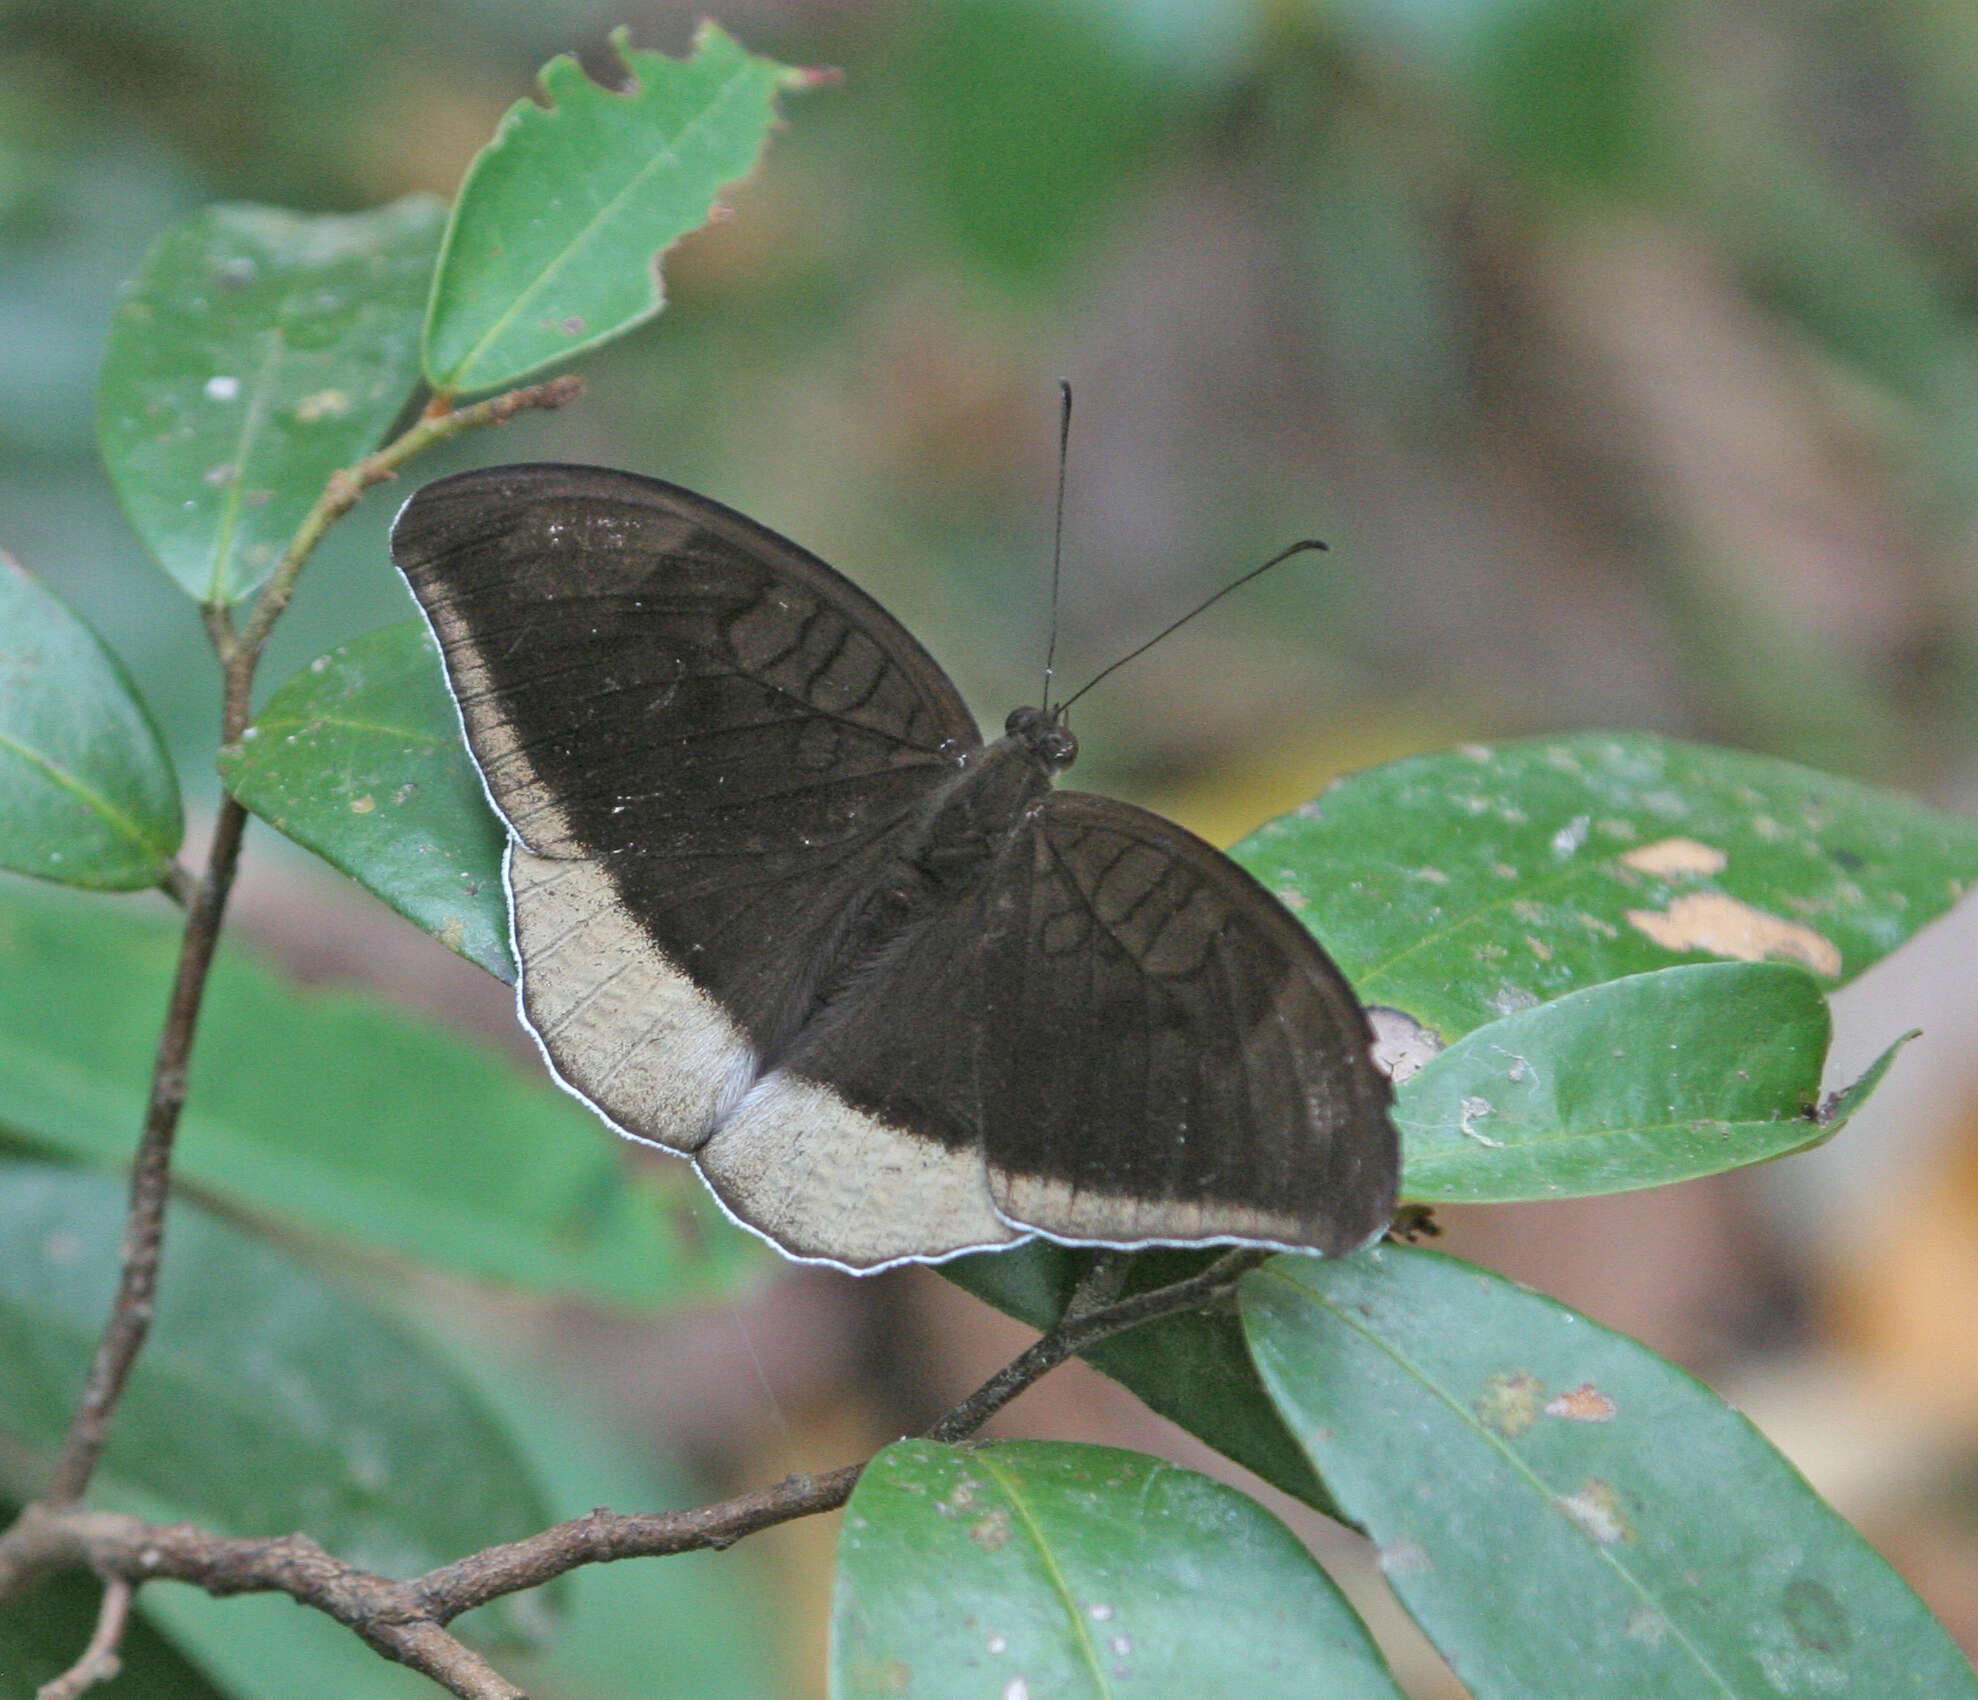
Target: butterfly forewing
[[703, 740]]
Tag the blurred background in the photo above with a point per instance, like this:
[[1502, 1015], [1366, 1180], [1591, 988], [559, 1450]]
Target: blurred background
[[1623, 350]]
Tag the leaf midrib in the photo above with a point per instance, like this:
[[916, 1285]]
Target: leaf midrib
[[1088, 1653], [112, 816]]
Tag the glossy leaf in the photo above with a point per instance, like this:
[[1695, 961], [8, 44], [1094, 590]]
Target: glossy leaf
[[1468, 885], [87, 793], [338, 1113], [1048, 1569], [1192, 1368], [1635, 1083], [265, 1401], [558, 234], [257, 352], [359, 758], [1550, 1497]]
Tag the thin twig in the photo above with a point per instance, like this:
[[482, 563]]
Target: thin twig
[[406, 1620], [130, 1314], [99, 1661], [1079, 1331]]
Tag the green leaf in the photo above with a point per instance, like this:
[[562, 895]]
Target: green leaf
[[87, 793], [42, 1634], [1040, 1568], [257, 352], [359, 758], [1550, 1497], [557, 237], [265, 1401], [1635, 1083], [1468, 885], [1192, 1368], [338, 1113]]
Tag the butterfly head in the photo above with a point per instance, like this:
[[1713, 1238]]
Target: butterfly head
[[1043, 732]]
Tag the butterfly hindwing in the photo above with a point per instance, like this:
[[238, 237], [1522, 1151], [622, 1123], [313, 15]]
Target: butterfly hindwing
[[1141, 1043], [1175, 1060]]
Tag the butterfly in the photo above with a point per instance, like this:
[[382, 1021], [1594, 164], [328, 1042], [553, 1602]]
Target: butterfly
[[779, 908]]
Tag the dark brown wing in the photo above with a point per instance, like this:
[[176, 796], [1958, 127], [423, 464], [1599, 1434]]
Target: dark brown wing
[[703, 740], [1142, 1043], [1171, 1056]]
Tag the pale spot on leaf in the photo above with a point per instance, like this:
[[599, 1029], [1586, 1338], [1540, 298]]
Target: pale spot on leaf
[[1710, 921], [1405, 1558], [1596, 1511], [1510, 1403], [1671, 857], [324, 404], [1402, 1045]]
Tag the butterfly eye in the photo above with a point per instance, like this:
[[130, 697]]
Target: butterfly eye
[[1057, 747], [1021, 720]]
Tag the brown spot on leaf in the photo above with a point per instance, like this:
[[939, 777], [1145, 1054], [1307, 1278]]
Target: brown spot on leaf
[[1710, 921], [1510, 1403], [991, 1533], [1583, 1404]]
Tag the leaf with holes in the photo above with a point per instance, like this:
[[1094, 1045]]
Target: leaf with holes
[[87, 792], [359, 758], [1465, 886], [557, 237], [257, 352], [1550, 1497], [1047, 1569]]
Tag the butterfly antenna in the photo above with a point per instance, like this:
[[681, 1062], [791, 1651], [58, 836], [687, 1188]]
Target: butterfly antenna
[[1058, 532], [1301, 548]]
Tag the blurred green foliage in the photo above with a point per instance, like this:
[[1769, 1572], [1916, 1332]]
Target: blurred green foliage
[[1623, 349]]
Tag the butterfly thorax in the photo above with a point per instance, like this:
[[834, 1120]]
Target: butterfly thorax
[[965, 826]]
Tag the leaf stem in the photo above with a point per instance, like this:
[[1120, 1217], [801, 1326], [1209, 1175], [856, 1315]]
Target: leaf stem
[[144, 1231]]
